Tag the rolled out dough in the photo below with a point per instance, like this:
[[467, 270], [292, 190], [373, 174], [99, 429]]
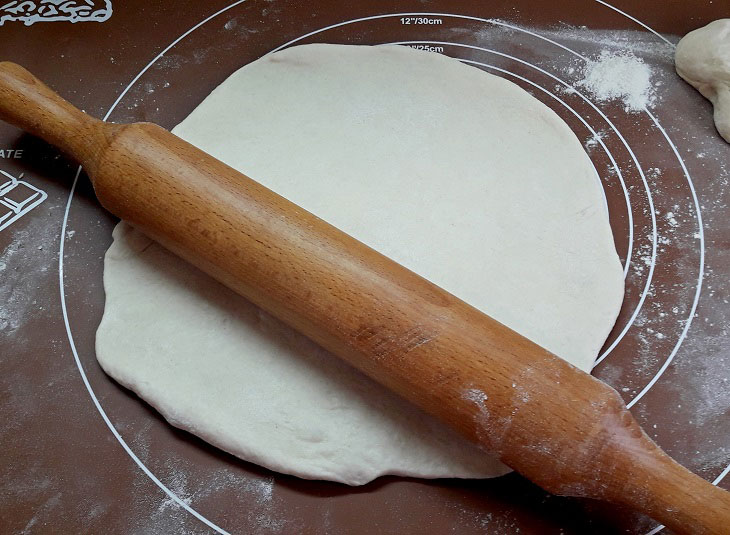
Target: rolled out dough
[[459, 175]]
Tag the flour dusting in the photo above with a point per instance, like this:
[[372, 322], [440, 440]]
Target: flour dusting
[[476, 396], [24, 270], [620, 76], [261, 510], [628, 66]]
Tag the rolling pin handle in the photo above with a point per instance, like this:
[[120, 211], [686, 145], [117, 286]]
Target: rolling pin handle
[[29, 104]]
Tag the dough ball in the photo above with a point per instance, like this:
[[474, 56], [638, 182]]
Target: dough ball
[[702, 58]]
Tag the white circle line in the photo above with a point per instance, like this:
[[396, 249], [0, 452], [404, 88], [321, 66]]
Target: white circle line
[[650, 199], [700, 232], [92, 394], [722, 475], [656, 530], [555, 97], [637, 21], [700, 276], [174, 497], [698, 290], [643, 177], [538, 36], [170, 493], [653, 215], [690, 183], [615, 165], [652, 263], [647, 189], [595, 134], [698, 210], [164, 51]]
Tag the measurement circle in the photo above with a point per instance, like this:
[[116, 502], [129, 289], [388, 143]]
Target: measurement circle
[[626, 179], [646, 286]]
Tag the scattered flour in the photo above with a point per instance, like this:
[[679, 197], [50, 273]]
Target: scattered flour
[[475, 395], [628, 66], [620, 76], [256, 494], [671, 219], [639, 42], [24, 273]]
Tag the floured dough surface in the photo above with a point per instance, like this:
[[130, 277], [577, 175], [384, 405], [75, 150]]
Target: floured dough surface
[[460, 176], [702, 58]]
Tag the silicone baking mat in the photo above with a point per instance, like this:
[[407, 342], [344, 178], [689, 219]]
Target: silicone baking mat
[[80, 454]]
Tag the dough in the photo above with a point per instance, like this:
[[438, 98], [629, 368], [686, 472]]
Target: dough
[[461, 176], [703, 59]]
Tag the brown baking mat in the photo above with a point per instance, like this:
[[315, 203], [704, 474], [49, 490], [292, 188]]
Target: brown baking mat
[[80, 454]]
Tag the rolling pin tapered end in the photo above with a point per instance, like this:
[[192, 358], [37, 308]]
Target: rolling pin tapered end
[[29, 104]]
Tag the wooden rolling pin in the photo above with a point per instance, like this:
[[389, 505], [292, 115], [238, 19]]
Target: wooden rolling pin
[[558, 426]]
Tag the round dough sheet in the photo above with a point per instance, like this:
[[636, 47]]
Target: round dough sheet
[[459, 175]]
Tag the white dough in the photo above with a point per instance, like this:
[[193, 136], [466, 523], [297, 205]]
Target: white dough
[[703, 59], [459, 175]]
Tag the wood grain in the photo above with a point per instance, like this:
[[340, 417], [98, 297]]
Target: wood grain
[[556, 425]]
